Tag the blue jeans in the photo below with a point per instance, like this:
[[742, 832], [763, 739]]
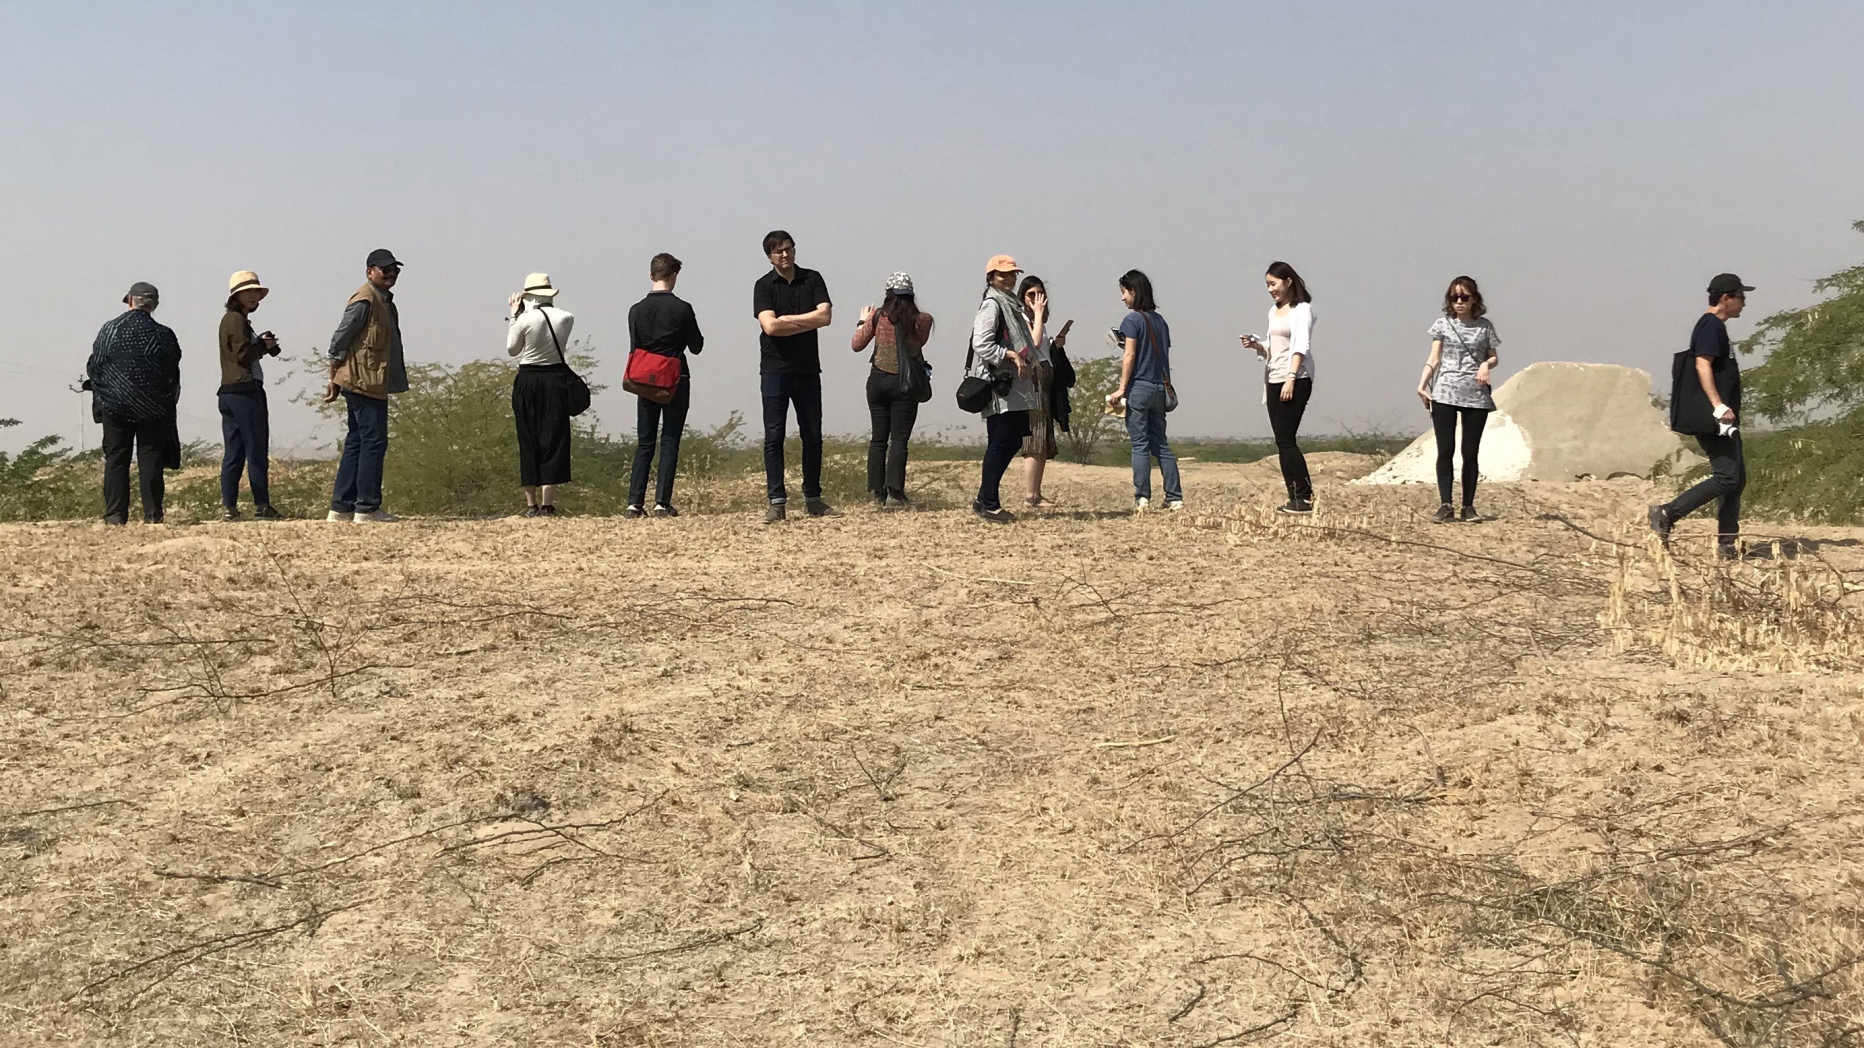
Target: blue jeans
[[1004, 433], [1145, 427], [359, 472], [245, 433], [658, 427], [804, 391]]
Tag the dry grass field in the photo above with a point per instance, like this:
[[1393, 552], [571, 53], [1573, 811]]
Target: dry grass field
[[1213, 778]]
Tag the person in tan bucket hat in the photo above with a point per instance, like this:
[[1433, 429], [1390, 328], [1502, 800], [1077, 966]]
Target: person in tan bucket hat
[[245, 422]]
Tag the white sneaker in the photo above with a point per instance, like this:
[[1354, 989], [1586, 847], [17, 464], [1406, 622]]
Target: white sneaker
[[1141, 505], [380, 516], [337, 516], [1175, 505]]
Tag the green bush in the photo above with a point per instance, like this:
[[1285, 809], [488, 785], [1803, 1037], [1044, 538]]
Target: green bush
[[47, 482], [1813, 472]]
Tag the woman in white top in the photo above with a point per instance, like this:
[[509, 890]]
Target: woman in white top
[[1455, 383], [540, 395], [1289, 355]]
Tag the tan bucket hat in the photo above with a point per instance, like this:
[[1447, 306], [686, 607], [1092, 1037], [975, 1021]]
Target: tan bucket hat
[[539, 284], [246, 280]]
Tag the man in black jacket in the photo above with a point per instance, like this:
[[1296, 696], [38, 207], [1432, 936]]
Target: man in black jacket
[[1705, 400], [135, 376]]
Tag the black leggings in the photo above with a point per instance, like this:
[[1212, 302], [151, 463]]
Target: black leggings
[[1285, 421], [1443, 419]]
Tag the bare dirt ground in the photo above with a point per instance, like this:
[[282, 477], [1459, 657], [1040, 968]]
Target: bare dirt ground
[[911, 779]]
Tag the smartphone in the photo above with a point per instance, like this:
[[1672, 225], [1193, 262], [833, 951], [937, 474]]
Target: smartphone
[[1063, 333]]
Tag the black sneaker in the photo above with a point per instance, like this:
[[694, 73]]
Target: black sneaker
[[1296, 507], [114, 521], [264, 511], [775, 514], [1470, 516], [546, 511], [633, 513], [995, 516], [819, 508], [897, 502], [229, 513], [665, 511], [531, 511], [1444, 514], [1661, 523]]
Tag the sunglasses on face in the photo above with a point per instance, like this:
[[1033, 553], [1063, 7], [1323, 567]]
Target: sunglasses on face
[[392, 271], [1459, 298]]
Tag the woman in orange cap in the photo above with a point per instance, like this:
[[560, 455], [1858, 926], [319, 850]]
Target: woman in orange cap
[[1003, 352]]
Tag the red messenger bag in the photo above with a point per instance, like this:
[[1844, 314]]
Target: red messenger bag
[[655, 376]]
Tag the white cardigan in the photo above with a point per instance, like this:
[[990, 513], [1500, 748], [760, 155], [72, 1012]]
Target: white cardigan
[[1300, 322]]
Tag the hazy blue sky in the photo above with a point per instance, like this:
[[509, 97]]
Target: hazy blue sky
[[1593, 164]]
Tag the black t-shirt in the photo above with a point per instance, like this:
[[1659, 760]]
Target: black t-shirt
[[789, 354], [664, 323], [1710, 341]]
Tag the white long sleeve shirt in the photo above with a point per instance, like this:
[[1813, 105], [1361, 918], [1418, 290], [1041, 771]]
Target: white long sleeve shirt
[[529, 340], [1290, 334]]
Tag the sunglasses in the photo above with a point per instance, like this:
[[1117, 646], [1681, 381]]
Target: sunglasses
[[1459, 298], [393, 271]]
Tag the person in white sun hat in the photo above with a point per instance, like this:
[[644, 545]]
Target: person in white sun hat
[[897, 383], [540, 394], [245, 423]]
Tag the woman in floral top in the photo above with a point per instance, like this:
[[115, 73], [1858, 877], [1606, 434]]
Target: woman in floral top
[[893, 413], [1455, 384]]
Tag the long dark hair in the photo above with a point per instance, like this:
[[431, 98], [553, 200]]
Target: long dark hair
[[1476, 306], [1297, 291], [1030, 283], [903, 313], [1141, 287]]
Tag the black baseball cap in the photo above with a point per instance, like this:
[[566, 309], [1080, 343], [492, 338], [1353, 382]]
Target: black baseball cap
[[382, 258], [142, 289], [1728, 284]]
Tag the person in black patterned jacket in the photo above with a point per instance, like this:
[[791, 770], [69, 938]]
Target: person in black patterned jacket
[[134, 373]]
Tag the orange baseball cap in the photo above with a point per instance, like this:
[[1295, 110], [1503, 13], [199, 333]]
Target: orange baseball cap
[[1002, 264]]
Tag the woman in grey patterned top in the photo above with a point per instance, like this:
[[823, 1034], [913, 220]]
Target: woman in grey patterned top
[[1455, 384]]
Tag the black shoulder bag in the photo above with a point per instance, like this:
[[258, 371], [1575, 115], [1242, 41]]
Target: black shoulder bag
[[915, 378], [975, 393], [579, 390]]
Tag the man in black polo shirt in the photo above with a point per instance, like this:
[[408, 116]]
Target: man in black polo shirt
[[1705, 401], [791, 303]]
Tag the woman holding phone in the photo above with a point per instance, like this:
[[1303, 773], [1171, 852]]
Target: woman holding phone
[[1289, 354], [1455, 384], [1039, 445], [1145, 388]]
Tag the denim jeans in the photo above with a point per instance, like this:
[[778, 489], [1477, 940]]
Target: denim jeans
[[1005, 432], [779, 392], [1145, 427], [245, 434], [359, 472], [1727, 477], [659, 426], [892, 416]]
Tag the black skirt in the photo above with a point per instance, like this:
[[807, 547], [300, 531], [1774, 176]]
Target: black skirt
[[540, 401]]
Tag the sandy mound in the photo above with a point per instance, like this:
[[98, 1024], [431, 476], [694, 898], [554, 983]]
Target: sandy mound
[[1559, 422]]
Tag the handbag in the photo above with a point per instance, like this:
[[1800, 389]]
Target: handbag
[[579, 390], [975, 393], [915, 378], [651, 376], [1171, 392]]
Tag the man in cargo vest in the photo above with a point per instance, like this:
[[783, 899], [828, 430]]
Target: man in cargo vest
[[366, 365]]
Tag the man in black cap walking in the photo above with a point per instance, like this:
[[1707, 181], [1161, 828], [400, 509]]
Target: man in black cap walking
[[1705, 401], [134, 374], [366, 366]]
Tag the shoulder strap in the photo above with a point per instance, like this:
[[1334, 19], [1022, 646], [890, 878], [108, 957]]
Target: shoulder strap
[[1450, 322], [544, 311]]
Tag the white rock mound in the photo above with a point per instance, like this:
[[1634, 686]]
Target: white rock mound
[[1559, 422]]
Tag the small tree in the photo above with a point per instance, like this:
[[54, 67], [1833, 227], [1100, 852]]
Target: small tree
[[1815, 355], [1088, 423]]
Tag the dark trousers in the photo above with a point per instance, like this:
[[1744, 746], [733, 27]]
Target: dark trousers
[[804, 391], [359, 472], [1443, 419], [659, 426], [1005, 432], [149, 441], [1285, 421], [893, 417], [246, 436], [1727, 476], [540, 403]]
